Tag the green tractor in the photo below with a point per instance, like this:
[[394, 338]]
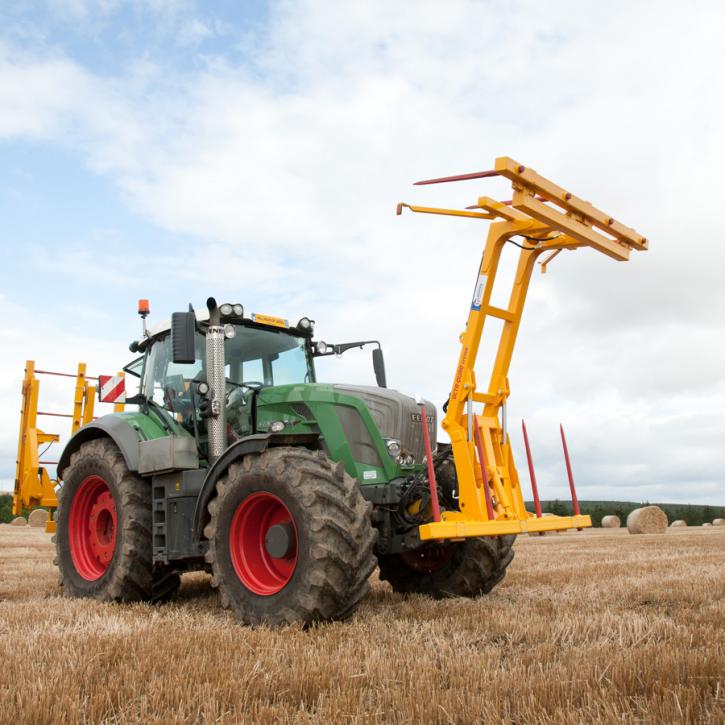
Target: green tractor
[[237, 462]]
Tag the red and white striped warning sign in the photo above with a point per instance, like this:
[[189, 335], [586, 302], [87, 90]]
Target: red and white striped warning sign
[[111, 389]]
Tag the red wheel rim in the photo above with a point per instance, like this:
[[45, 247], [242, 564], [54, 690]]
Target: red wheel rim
[[257, 569], [428, 559], [92, 528]]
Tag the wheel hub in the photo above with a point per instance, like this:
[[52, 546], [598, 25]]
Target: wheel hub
[[102, 527], [280, 541], [263, 543], [92, 528]]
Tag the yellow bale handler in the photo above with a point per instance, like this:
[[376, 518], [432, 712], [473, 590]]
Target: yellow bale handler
[[33, 484], [546, 219]]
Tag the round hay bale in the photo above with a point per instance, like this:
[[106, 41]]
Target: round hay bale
[[677, 524], [38, 517], [611, 522], [18, 521], [718, 522], [707, 524], [647, 520]]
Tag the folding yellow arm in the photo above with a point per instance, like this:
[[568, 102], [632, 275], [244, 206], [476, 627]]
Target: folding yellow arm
[[547, 218]]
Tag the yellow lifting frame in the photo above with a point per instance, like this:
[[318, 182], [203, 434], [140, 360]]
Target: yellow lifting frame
[[549, 219], [33, 485]]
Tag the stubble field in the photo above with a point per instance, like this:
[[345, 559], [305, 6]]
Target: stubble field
[[587, 626]]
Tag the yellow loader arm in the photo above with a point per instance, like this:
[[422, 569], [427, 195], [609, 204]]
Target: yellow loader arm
[[547, 219], [33, 485]]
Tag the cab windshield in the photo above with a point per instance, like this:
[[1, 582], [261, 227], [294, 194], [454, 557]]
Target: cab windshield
[[254, 358]]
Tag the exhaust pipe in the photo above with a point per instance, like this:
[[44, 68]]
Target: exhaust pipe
[[217, 422]]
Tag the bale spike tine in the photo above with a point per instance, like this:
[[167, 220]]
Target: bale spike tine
[[574, 500], [482, 464], [532, 475], [459, 177]]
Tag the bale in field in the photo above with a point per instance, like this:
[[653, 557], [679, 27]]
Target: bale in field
[[18, 521], [707, 524], [647, 520], [678, 524], [611, 522], [38, 517], [718, 522]]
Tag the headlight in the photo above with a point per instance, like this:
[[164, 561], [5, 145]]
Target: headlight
[[305, 323], [226, 309], [321, 347], [393, 447], [202, 388], [229, 331], [238, 310], [276, 426]]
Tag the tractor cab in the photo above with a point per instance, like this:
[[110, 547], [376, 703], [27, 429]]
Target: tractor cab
[[256, 356], [214, 374]]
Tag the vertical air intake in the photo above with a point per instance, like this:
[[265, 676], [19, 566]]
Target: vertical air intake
[[217, 423]]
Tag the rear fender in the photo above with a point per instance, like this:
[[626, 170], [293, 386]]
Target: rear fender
[[109, 426]]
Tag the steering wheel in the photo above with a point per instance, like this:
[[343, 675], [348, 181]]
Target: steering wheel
[[252, 385]]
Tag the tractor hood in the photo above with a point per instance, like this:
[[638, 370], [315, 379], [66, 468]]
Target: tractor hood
[[396, 415]]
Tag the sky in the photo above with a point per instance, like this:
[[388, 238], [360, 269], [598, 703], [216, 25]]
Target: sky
[[256, 151]]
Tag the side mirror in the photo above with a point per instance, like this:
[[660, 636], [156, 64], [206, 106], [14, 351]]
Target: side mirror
[[183, 327], [379, 367]]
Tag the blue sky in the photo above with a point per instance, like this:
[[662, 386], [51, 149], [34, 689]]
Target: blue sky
[[108, 35], [255, 151]]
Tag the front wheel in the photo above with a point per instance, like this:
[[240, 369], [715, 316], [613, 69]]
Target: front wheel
[[290, 538], [461, 569]]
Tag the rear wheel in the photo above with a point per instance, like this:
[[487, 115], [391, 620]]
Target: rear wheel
[[463, 569], [290, 538], [103, 539]]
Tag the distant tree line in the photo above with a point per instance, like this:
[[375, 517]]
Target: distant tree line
[[693, 514], [6, 509]]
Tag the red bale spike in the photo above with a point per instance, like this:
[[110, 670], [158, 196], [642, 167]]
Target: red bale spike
[[482, 464], [459, 177], [574, 500], [532, 475], [431, 469]]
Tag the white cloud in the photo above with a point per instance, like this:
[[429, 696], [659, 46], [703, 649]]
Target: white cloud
[[289, 166]]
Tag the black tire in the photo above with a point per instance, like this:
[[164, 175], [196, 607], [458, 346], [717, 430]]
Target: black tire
[[166, 582], [334, 537], [129, 574], [462, 569]]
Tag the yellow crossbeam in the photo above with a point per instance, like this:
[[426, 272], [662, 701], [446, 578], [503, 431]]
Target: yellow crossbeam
[[536, 184], [443, 530]]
